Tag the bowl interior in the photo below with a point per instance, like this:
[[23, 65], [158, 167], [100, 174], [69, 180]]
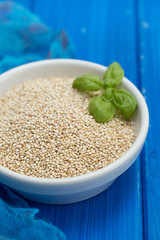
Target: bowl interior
[[67, 68]]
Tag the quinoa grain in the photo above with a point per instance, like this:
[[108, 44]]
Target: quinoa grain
[[46, 131]]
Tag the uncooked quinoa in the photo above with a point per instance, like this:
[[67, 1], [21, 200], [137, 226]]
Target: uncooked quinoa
[[46, 131]]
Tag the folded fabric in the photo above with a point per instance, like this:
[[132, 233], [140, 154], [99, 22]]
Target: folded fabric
[[18, 221], [24, 38]]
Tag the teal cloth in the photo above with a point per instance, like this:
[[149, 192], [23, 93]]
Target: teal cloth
[[24, 38], [18, 221]]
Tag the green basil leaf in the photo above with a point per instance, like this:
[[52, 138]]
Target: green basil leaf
[[101, 110], [113, 75], [108, 94], [88, 82], [125, 102]]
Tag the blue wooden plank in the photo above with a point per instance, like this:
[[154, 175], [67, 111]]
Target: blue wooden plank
[[149, 35], [113, 214], [100, 31], [103, 32]]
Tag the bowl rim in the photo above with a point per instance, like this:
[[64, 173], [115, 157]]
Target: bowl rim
[[109, 169]]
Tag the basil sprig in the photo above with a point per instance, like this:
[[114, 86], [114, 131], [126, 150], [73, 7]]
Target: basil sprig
[[102, 110], [113, 75], [88, 82], [103, 107], [108, 94], [125, 102]]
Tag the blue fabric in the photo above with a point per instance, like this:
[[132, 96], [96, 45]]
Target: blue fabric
[[24, 38], [18, 221]]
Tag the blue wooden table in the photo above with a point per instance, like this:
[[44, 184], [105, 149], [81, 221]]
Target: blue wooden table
[[104, 31]]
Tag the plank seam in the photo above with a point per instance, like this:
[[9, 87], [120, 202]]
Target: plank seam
[[142, 155]]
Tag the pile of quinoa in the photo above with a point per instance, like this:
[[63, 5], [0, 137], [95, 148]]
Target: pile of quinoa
[[46, 131]]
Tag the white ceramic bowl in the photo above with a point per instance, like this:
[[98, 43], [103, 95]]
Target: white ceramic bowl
[[69, 190]]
